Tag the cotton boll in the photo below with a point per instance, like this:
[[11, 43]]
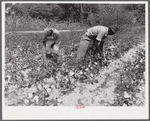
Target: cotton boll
[[53, 86], [30, 95], [59, 100], [49, 90], [80, 72], [91, 75], [36, 98], [126, 95], [26, 101], [71, 73], [87, 69]]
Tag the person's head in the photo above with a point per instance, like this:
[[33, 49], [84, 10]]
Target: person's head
[[112, 29], [48, 31]]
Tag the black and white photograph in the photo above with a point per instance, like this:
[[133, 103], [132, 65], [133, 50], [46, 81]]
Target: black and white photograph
[[75, 54]]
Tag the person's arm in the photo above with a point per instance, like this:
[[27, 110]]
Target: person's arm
[[44, 41], [97, 43], [56, 35], [44, 56], [101, 45], [101, 48], [44, 52], [56, 38], [100, 36], [100, 42]]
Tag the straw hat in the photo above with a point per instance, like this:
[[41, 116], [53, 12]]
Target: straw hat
[[48, 31]]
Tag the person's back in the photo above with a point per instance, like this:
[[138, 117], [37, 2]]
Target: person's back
[[94, 36], [51, 34], [96, 29], [97, 32]]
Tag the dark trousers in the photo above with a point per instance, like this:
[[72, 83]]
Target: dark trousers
[[47, 50], [84, 45]]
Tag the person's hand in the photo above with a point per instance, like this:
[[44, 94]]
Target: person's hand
[[55, 37], [98, 43], [56, 42], [100, 55]]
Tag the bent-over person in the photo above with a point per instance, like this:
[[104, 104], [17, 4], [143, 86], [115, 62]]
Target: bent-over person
[[51, 37], [95, 35]]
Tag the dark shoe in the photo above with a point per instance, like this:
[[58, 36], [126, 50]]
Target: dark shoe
[[54, 60], [49, 56]]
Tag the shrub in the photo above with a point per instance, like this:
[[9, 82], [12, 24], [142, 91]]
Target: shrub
[[45, 11], [86, 14], [138, 10], [111, 14]]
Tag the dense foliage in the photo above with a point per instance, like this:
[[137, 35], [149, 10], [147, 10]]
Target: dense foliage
[[116, 81], [90, 14]]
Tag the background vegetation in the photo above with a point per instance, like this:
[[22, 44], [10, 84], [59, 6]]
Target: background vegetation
[[63, 16], [118, 81]]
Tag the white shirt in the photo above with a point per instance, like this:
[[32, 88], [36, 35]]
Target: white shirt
[[97, 32]]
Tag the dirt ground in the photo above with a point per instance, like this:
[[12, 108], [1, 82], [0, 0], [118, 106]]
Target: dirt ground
[[113, 85]]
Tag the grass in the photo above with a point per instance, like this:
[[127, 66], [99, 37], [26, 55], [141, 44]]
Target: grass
[[126, 39], [25, 46], [31, 44], [131, 79], [20, 50], [15, 23]]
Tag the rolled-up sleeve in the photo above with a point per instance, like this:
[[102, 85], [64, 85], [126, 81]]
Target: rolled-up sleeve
[[100, 35]]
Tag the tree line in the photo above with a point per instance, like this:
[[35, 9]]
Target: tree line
[[91, 14]]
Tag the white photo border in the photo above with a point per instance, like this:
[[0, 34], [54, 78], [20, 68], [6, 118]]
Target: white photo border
[[68, 112]]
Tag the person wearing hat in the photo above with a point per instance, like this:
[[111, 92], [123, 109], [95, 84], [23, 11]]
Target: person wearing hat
[[51, 36], [94, 36]]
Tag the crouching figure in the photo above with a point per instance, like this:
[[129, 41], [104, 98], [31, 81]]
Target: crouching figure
[[94, 36], [50, 39]]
